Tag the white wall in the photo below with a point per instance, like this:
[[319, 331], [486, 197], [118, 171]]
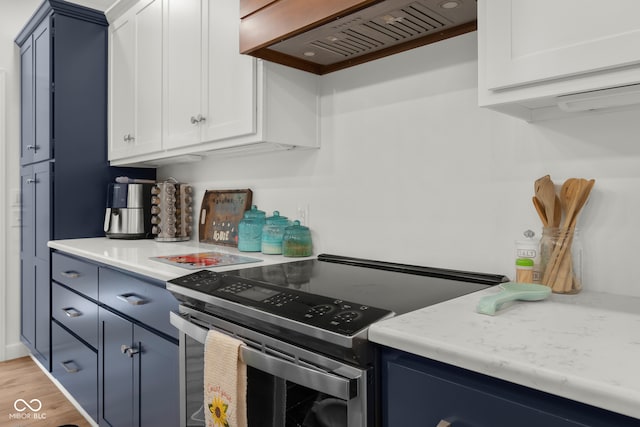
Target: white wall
[[411, 170], [13, 15]]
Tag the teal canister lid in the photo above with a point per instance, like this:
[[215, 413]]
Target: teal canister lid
[[277, 219], [254, 212]]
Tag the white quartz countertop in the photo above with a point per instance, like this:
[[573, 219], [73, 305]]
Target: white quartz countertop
[[584, 347], [135, 255]]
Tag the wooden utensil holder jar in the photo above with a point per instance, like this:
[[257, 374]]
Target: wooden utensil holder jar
[[561, 260]]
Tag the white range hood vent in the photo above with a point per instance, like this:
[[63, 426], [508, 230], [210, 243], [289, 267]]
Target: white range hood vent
[[378, 30]]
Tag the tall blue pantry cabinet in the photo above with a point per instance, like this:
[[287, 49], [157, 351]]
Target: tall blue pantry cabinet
[[64, 167]]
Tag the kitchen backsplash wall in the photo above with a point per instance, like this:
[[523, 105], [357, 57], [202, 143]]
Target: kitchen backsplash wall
[[411, 170]]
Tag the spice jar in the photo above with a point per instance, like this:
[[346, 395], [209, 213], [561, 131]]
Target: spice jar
[[529, 247], [561, 260]]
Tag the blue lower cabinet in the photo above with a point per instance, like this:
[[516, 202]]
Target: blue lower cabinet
[[421, 392], [75, 366], [138, 383]]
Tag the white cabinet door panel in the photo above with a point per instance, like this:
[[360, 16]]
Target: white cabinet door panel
[[121, 108], [533, 41], [148, 79], [183, 38], [229, 76]]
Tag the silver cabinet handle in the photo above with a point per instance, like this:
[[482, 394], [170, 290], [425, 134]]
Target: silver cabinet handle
[[72, 312], [32, 147], [132, 299], [32, 181], [129, 351], [128, 138], [197, 119], [70, 274], [70, 366], [443, 423]]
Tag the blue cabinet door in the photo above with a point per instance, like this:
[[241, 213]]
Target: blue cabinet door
[[27, 123], [138, 377], [115, 370], [42, 92], [158, 380], [27, 250], [34, 234]]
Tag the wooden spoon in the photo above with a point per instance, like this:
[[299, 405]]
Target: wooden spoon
[[548, 197], [541, 212], [557, 213]]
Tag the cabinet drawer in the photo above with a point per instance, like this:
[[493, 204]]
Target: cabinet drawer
[[76, 313], [421, 391], [76, 367], [145, 302], [431, 399], [80, 275]]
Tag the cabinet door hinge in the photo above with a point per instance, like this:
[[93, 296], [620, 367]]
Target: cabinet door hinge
[[53, 86]]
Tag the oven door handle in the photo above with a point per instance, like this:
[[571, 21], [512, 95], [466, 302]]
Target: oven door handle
[[319, 380]]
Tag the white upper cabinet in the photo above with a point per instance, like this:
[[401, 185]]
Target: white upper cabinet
[[209, 88], [532, 53], [205, 95], [136, 81], [184, 29]]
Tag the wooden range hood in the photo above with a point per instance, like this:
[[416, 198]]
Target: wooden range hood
[[322, 36]]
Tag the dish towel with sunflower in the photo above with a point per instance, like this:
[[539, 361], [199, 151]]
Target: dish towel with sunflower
[[225, 382]]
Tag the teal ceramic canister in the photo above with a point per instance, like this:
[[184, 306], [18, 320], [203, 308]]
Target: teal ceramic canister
[[273, 232], [250, 230]]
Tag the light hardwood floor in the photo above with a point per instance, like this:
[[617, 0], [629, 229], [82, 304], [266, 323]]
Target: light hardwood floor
[[22, 379]]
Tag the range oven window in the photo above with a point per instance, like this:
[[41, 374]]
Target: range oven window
[[287, 386], [271, 401]]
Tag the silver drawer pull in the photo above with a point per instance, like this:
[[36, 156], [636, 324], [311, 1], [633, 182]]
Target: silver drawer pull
[[72, 312], [32, 147], [70, 366], [129, 351], [132, 299], [32, 181], [70, 274]]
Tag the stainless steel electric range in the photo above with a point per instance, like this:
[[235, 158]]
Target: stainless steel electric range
[[305, 326]]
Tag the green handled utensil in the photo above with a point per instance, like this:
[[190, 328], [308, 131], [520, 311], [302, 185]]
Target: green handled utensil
[[512, 291]]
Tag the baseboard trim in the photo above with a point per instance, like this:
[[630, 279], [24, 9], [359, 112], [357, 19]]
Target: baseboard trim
[[66, 394], [13, 351]]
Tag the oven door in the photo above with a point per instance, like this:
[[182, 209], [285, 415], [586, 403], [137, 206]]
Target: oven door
[[287, 386]]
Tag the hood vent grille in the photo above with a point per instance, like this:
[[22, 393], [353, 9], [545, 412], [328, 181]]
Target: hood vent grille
[[376, 31], [396, 27]]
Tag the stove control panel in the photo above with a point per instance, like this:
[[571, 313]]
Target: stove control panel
[[342, 317]]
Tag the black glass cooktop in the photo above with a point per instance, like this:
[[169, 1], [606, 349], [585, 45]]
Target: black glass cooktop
[[399, 288], [337, 294]]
